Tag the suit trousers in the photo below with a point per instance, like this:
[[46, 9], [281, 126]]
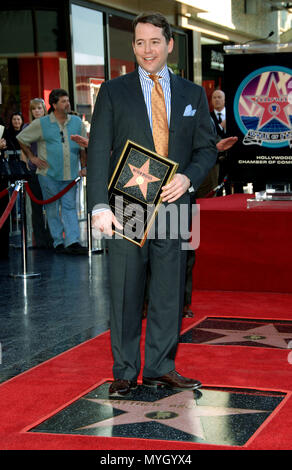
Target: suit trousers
[[128, 272]]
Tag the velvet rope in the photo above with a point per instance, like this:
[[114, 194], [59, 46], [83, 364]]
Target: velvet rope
[[8, 208], [51, 199], [3, 193]]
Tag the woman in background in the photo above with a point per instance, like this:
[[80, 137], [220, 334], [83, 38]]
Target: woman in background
[[42, 236], [10, 154], [4, 200], [15, 126]]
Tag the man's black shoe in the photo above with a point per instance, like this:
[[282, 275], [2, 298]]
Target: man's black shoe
[[173, 380], [76, 249], [122, 387], [187, 313], [59, 248]]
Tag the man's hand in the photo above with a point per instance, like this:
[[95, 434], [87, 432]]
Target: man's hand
[[82, 141], [38, 162], [104, 220], [2, 144], [176, 188], [225, 144], [83, 172]]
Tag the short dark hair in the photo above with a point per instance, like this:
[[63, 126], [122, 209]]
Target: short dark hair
[[55, 95], [156, 19]]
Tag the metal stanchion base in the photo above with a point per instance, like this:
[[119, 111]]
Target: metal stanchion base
[[25, 276], [98, 247], [97, 251]]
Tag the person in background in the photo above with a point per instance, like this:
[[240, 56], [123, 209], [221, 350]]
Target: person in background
[[41, 232], [4, 200], [222, 145], [10, 134], [13, 153], [218, 114], [58, 164], [220, 170]]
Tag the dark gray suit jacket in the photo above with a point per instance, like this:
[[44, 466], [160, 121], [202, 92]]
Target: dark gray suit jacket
[[120, 113]]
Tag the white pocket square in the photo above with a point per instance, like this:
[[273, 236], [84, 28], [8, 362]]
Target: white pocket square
[[189, 111]]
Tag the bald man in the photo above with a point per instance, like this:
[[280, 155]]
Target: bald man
[[219, 112]]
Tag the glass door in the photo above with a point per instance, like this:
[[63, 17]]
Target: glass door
[[88, 58], [122, 59]]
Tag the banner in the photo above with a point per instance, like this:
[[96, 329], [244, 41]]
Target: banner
[[258, 90]]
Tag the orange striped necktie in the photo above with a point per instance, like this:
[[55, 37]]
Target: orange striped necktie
[[159, 118]]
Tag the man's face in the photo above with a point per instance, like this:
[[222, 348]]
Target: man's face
[[63, 105], [150, 47], [218, 100]]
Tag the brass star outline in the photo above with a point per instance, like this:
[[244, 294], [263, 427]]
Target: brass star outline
[[179, 411], [263, 334], [141, 177]]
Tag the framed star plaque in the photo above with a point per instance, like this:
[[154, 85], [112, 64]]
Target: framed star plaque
[[135, 189]]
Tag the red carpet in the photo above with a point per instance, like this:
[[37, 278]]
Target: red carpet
[[242, 271], [29, 398]]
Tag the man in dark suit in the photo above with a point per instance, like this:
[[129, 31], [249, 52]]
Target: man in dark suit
[[218, 115], [219, 112], [123, 111]]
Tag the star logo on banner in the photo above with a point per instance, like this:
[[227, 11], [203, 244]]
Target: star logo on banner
[[273, 104], [141, 177], [179, 411], [266, 334]]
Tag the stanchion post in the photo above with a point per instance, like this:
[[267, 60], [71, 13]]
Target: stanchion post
[[23, 228], [89, 238], [91, 250], [89, 232], [24, 274]]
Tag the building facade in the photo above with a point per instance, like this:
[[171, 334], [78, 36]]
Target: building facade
[[77, 44]]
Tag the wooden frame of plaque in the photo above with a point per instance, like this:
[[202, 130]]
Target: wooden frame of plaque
[[135, 189]]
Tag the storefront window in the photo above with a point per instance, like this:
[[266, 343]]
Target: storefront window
[[33, 59], [177, 60], [122, 59], [212, 66], [89, 61], [33, 54]]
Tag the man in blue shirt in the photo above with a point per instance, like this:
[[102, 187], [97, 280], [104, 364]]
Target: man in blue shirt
[[58, 163]]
